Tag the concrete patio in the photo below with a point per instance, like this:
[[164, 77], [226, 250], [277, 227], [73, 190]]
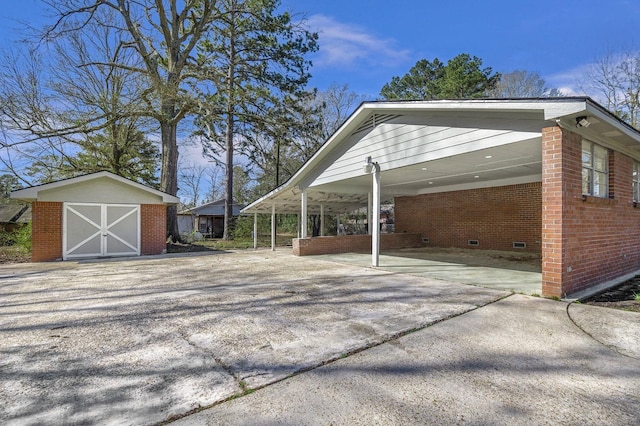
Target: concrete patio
[[519, 272]]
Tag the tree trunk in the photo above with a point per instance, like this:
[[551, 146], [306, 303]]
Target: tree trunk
[[228, 200], [169, 175]]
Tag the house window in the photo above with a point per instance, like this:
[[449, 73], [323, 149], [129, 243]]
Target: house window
[[636, 181], [595, 173]]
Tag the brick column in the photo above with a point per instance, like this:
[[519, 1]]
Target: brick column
[[153, 232], [46, 231], [561, 182]]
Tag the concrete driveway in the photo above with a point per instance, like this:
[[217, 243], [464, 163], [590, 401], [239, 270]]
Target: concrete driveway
[[142, 340], [519, 361]]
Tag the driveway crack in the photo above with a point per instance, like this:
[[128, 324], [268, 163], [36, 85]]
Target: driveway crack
[[226, 367]]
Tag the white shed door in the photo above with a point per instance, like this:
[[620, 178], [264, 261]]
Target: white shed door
[[94, 230]]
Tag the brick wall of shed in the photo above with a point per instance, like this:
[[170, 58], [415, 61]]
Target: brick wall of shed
[[587, 240], [46, 231], [153, 232], [495, 217], [352, 244]]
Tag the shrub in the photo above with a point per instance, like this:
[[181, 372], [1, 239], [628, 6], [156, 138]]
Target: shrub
[[20, 237]]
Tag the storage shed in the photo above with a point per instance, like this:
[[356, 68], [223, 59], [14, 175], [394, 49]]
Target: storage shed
[[96, 215], [207, 219]]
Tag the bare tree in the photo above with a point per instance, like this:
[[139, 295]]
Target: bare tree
[[614, 80], [164, 35], [215, 183], [65, 118], [336, 103], [522, 84], [190, 179]]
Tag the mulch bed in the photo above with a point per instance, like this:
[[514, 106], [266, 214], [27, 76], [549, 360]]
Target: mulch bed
[[619, 297]]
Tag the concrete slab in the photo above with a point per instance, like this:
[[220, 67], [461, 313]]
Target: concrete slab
[[137, 341], [507, 271], [517, 361]]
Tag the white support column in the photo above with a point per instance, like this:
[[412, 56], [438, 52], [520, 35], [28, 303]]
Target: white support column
[[369, 212], [322, 220], [374, 225], [273, 227], [338, 223], [298, 224], [303, 226], [255, 231]]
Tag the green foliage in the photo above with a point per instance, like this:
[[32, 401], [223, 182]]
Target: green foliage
[[258, 77], [20, 237], [286, 224], [8, 183], [122, 150], [461, 78]]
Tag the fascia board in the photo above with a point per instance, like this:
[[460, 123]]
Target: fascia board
[[31, 194]]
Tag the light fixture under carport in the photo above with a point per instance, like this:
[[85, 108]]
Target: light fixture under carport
[[374, 169]]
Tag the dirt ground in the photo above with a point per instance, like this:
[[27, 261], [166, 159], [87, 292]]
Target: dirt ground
[[622, 296]]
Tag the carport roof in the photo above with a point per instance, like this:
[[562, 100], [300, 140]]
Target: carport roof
[[31, 193], [505, 129]]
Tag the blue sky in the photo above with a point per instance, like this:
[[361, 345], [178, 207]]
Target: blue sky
[[366, 42]]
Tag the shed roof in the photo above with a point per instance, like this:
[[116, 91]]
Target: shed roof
[[33, 193], [436, 146], [215, 208], [14, 213]]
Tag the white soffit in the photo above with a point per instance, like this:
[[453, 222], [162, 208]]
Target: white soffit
[[510, 147]]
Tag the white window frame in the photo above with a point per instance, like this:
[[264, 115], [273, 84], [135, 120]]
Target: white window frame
[[590, 171]]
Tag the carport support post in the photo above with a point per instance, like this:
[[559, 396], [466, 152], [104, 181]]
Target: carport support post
[[322, 220], [273, 227], [338, 224], [369, 208], [374, 225], [298, 224], [303, 213], [255, 231]]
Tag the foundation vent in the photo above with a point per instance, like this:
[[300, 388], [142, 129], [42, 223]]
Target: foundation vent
[[519, 245], [473, 243], [425, 240]]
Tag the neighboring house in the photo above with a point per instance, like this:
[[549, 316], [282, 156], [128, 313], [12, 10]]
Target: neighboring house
[[207, 219], [555, 176], [96, 215], [14, 215]]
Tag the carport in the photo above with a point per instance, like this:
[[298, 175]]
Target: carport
[[96, 215], [499, 174]]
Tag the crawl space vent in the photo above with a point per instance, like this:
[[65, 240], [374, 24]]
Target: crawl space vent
[[473, 242], [425, 240], [519, 244]]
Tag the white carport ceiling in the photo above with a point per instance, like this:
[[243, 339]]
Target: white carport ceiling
[[426, 147]]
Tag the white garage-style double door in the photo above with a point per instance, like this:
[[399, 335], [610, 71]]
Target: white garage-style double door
[[98, 230]]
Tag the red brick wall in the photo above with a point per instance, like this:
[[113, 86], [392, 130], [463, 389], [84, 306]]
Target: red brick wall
[[496, 217], [46, 231], [588, 240], [352, 244], [153, 223]]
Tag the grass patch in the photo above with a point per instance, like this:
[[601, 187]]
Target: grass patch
[[235, 244]]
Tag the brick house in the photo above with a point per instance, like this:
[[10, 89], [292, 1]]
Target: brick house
[[555, 176], [96, 215]]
